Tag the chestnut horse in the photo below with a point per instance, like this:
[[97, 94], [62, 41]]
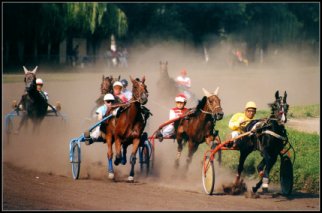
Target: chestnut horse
[[269, 138], [34, 105], [127, 128], [199, 126]]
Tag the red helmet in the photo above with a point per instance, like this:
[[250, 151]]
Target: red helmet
[[181, 98]]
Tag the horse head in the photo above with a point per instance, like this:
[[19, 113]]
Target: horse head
[[280, 107], [107, 84], [30, 77], [164, 69], [139, 90], [213, 104]]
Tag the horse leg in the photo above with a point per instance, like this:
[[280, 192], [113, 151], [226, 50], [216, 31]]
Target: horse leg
[[242, 158], [260, 169], [23, 121], [192, 147], [269, 161], [180, 147], [136, 142], [110, 169], [123, 161], [118, 156]]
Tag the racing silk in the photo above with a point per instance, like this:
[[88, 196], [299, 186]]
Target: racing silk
[[184, 81], [102, 110], [127, 93], [122, 98], [234, 122], [176, 112]]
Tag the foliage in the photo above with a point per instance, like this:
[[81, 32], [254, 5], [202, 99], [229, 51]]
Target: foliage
[[257, 24]]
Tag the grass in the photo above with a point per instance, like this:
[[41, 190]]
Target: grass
[[306, 168]]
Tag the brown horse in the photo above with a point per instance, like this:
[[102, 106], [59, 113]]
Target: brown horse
[[127, 128], [199, 126], [166, 85], [106, 87]]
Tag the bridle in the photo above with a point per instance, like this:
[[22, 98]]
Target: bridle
[[280, 109], [141, 94], [212, 109], [29, 78]]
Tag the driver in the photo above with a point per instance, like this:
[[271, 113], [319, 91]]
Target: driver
[[175, 112], [242, 121]]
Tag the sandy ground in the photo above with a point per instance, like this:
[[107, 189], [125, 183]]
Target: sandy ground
[[36, 168]]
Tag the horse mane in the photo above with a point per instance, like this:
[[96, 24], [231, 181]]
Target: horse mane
[[200, 105]]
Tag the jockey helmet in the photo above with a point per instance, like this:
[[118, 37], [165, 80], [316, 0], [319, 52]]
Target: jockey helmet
[[250, 104], [109, 97], [181, 98], [39, 81], [117, 83], [124, 82]]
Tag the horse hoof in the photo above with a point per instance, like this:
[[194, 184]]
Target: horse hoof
[[130, 179], [123, 162], [117, 162], [110, 176]]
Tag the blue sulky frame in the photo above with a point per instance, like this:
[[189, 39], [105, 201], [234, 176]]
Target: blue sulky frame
[[16, 112], [145, 151], [75, 148]]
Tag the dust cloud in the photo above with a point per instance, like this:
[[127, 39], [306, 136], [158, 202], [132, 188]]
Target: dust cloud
[[48, 149]]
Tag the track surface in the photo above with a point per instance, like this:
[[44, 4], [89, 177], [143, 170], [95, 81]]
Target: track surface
[[37, 172]]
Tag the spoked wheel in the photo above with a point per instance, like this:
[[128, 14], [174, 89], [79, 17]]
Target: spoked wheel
[[145, 155], [208, 175], [286, 175], [76, 160]]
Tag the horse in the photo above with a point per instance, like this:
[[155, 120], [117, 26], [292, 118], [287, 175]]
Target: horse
[[166, 85], [34, 105], [127, 128], [269, 138], [106, 87], [199, 126]]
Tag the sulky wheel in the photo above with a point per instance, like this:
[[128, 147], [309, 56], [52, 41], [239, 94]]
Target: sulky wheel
[[208, 175], [76, 160], [286, 175]]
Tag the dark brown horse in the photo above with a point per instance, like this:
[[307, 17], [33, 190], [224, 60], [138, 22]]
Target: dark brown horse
[[106, 87], [127, 128], [199, 126], [34, 105], [269, 138], [166, 85]]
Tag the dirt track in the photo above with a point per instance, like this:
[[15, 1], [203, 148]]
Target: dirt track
[[37, 172]]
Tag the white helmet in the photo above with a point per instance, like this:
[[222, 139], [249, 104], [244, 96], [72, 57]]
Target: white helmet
[[181, 98], [118, 83], [109, 97], [39, 81]]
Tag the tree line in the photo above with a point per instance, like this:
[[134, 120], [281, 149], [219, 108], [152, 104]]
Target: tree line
[[32, 32]]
